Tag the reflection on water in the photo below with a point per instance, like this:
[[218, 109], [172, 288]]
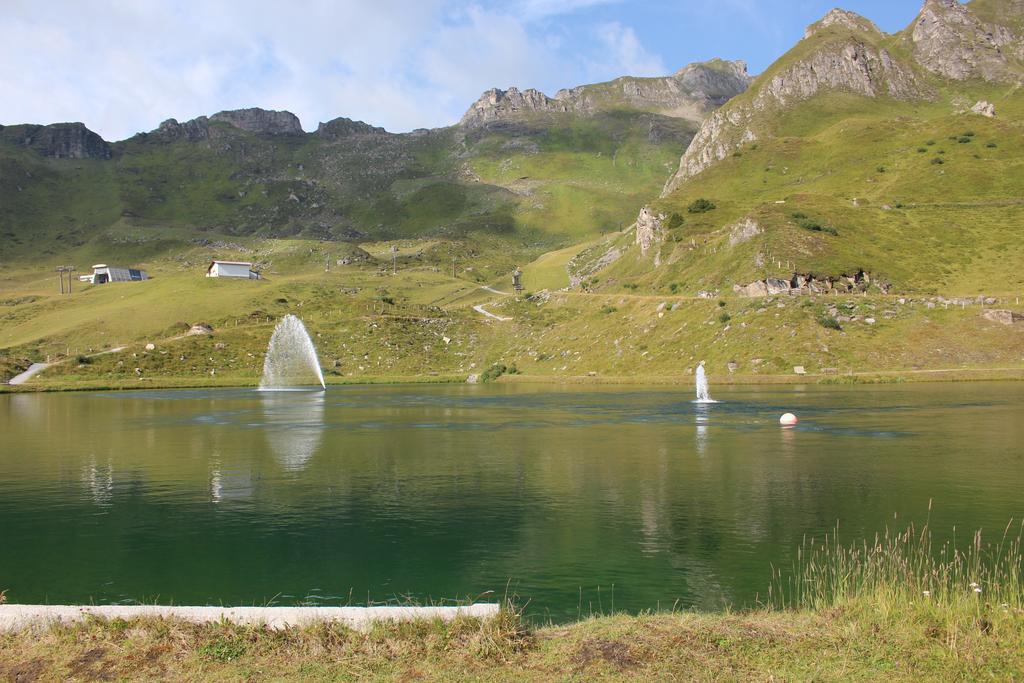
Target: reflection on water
[[293, 424], [235, 497]]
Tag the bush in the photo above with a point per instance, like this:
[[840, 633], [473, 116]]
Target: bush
[[930, 143], [830, 323], [674, 287], [494, 372], [724, 317], [701, 206], [880, 169], [721, 303], [922, 150], [390, 301], [630, 286], [84, 360], [991, 145], [608, 310], [937, 161], [968, 134], [674, 221], [963, 139], [813, 224]]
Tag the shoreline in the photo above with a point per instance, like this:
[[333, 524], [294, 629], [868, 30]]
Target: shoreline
[[848, 379]]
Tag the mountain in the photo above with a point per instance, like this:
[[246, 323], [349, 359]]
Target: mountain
[[858, 160], [534, 169]]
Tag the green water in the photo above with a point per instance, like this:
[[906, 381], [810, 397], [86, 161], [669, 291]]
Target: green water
[[575, 499]]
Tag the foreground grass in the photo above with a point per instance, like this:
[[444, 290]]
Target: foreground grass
[[860, 641]]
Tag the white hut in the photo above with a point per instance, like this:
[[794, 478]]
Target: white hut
[[102, 273], [242, 269]]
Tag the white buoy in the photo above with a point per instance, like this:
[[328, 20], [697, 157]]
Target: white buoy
[[788, 420]]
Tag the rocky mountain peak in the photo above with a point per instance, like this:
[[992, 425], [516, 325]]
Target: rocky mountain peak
[[342, 127], [496, 104], [843, 19], [949, 39], [262, 121], [689, 93], [852, 64], [60, 140]]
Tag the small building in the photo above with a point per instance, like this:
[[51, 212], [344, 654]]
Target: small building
[[242, 269], [102, 273]]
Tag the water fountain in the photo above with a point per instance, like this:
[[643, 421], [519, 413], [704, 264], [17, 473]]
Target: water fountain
[[291, 359], [703, 395]]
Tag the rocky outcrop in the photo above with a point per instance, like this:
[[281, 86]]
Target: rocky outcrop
[[60, 140], [743, 231], [1002, 316], [254, 120], [689, 93], [496, 105], [649, 230], [261, 121], [341, 127], [800, 283], [851, 63], [950, 40], [984, 108]]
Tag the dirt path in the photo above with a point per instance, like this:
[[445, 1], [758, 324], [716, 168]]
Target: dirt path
[[479, 308]]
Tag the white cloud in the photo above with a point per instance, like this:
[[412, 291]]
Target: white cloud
[[123, 67], [624, 50]]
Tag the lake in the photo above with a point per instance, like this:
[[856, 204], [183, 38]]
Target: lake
[[577, 499]]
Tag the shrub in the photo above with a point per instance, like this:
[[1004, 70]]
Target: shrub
[[494, 372], [829, 323], [930, 143], [390, 301], [724, 317], [963, 139], [880, 169], [991, 145], [630, 286], [674, 221], [922, 150], [674, 287], [608, 310], [813, 224], [701, 206], [968, 134], [721, 303], [83, 360], [937, 161]]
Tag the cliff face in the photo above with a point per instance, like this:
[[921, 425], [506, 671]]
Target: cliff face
[[950, 40], [59, 140], [689, 93], [851, 63]]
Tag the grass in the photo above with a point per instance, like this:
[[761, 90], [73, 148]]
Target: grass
[[892, 608]]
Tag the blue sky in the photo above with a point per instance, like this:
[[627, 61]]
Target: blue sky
[[122, 67]]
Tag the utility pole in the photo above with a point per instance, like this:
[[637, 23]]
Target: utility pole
[[394, 259], [60, 276], [453, 266]]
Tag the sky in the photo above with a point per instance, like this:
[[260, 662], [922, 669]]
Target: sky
[[123, 66]]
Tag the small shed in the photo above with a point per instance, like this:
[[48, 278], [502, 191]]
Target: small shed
[[240, 269], [102, 273]]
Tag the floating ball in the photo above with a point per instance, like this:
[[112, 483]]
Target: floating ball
[[788, 420]]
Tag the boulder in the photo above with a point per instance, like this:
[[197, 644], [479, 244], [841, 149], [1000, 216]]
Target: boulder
[[984, 109]]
